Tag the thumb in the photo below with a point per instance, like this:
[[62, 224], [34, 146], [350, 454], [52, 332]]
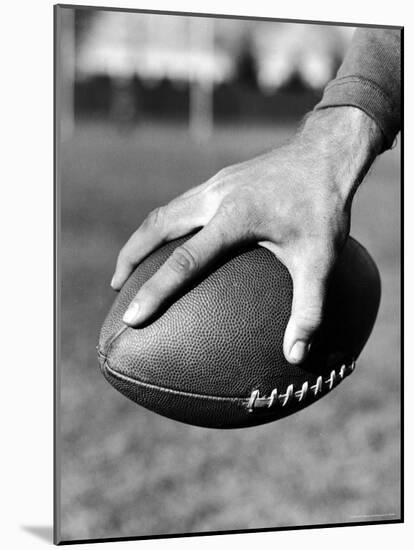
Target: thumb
[[309, 288]]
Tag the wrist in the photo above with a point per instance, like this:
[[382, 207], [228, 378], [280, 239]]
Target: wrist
[[347, 139]]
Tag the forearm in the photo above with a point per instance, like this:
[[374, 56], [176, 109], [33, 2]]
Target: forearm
[[370, 80]]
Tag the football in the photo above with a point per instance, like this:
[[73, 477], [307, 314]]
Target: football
[[213, 356]]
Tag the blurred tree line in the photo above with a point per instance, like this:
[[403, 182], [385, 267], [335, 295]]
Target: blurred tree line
[[128, 95]]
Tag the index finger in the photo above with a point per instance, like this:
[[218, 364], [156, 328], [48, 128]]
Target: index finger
[[185, 263], [167, 222]]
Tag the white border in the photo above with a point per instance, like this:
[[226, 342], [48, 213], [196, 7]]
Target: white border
[[26, 274]]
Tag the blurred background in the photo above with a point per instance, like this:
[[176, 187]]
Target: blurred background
[[128, 68], [150, 105]]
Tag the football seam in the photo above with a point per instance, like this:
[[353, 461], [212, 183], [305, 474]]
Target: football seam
[[148, 385], [254, 401]]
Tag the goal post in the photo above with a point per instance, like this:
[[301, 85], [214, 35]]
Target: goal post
[[201, 78]]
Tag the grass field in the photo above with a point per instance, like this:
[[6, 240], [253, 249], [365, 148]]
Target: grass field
[[126, 471]]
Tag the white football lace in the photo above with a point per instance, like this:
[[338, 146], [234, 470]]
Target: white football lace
[[283, 399]]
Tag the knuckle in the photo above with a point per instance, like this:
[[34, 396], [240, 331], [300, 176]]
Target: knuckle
[[216, 185], [232, 208], [156, 218], [223, 173], [239, 214], [183, 261]]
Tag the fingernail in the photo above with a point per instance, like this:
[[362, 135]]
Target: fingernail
[[113, 282], [299, 350], [131, 313]]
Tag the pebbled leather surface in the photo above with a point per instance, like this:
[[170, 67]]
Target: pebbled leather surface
[[223, 337]]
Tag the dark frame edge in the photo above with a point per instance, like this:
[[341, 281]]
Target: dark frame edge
[[402, 280], [56, 287], [230, 532], [227, 16]]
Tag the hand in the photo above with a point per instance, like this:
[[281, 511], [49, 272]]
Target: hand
[[294, 201]]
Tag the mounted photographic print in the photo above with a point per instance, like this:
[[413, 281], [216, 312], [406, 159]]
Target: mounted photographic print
[[228, 274]]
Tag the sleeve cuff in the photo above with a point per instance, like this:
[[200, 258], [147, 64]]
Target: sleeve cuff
[[366, 95]]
